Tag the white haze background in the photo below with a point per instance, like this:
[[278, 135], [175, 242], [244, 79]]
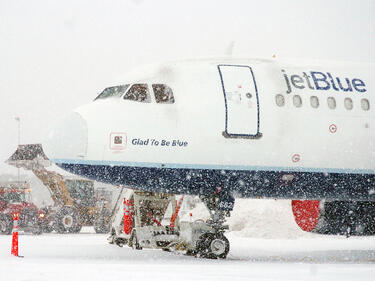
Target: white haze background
[[57, 55]]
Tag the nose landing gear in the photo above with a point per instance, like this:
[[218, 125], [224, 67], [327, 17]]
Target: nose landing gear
[[214, 244]]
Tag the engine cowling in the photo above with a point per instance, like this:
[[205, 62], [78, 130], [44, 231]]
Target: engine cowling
[[306, 213]]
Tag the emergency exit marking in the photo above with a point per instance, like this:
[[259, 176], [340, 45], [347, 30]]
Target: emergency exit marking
[[333, 128], [296, 158], [117, 141]]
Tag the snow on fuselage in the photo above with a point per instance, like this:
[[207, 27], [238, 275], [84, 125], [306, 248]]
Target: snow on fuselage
[[279, 129]]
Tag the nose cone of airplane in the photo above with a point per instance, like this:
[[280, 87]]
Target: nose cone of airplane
[[67, 140]]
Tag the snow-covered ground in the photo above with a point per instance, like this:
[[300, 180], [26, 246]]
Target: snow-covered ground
[[87, 256], [265, 245]]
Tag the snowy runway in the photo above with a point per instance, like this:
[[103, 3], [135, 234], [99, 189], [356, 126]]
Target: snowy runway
[[88, 256]]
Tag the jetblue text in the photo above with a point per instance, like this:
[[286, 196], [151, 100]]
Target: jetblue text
[[316, 80]]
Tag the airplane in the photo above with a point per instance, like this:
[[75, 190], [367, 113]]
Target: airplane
[[235, 127]]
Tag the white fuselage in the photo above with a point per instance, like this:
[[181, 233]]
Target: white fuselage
[[235, 115]]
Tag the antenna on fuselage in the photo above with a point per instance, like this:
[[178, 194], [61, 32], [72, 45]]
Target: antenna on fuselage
[[229, 49]]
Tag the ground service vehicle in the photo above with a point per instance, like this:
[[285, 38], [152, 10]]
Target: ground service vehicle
[[76, 203], [151, 220], [15, 197]]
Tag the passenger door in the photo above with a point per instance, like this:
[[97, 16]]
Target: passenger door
[[241, 101]]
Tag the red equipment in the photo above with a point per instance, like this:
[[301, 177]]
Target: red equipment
[[175, 214], [128, 216], [15, 197]]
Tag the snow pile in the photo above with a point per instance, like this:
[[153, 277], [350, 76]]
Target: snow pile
[[264, 218], [257, 218]]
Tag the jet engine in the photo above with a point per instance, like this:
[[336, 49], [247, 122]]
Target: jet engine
[[350, 218]]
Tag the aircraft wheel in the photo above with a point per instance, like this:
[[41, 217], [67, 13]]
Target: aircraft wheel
[[212, 246]]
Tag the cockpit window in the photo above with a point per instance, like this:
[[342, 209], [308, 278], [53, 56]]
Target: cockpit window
[[163, 93], [138, 92], [115, 91]]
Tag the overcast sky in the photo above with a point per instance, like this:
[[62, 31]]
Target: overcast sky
[[57, 55]]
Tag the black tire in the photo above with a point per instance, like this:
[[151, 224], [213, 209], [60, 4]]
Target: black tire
[[133, 241], [120, 241], [212, 246], [76, 229], [67, 220], [47, 229], [6, 224], [191, 253]]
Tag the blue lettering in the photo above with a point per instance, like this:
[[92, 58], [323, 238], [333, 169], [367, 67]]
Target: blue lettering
[[179, 143], [140, 142], [358, 83], [322, 80], [348, 88], [297, 80], [289, 89], [332, 81], [165, 143]]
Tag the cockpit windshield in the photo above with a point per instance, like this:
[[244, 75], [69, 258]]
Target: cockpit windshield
[[138, 92], [115, 91]]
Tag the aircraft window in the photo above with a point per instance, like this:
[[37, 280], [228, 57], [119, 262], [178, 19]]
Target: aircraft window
[[163, 93], [297, 101], [314, 101], [138, 92], [331, 102], [280, 100], [348, 103], [115, 91], [365, 104]]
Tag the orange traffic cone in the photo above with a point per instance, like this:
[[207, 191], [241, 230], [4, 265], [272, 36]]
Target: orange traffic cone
[[14, 250]]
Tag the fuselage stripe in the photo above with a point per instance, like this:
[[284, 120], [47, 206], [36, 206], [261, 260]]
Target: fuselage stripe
[[212, 167]]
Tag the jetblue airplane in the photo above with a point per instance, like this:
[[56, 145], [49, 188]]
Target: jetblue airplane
[[254, 128]]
